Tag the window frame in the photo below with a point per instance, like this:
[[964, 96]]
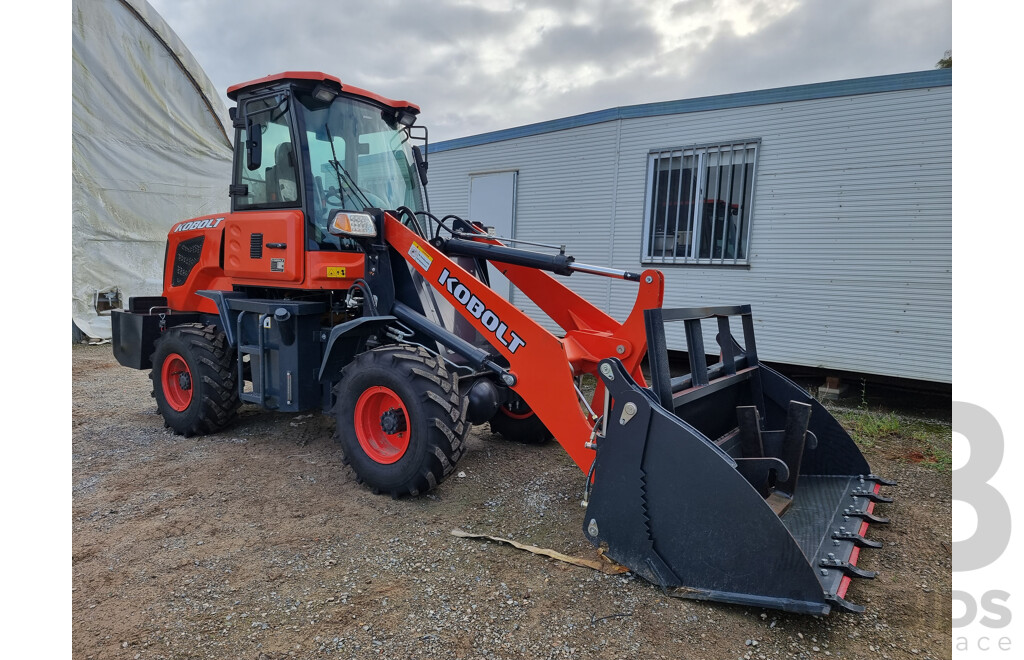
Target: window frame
[[241, 152], [694, 220]]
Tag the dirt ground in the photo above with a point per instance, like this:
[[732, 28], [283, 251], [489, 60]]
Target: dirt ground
[[257, 543]]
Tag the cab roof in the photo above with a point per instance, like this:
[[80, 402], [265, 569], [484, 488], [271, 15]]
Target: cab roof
[[318, 77]]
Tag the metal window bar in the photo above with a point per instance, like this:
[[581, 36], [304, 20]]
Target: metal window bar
[[706, 190], [748, 196], [664, 206], [655, 201], [694, 210], [715, 213], [728, 196], [649, 203], [741, 175], [688, 252], [679, 194], [740, 212]]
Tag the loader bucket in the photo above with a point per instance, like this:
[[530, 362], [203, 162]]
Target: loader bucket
[[729, 483]]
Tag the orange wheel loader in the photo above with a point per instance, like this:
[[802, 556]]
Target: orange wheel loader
[[330, 286]]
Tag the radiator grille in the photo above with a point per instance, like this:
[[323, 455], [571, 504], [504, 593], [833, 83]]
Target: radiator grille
[[186, 256]]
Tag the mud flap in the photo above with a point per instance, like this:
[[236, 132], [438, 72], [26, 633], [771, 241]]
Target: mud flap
[[772, 512]]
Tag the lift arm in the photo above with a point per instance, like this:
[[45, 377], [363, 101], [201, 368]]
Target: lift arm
[[542, 364]]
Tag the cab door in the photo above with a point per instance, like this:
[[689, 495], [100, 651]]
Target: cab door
[[264, 238]]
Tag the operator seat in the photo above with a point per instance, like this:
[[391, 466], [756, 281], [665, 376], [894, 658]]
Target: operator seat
[[282, 179]]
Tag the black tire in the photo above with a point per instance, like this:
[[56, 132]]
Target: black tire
[[515, 421], [400, 420], [195, 381]]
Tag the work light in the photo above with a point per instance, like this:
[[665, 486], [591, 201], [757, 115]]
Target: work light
[[352, 224]]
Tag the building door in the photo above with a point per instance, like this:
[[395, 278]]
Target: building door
[[492, 201]]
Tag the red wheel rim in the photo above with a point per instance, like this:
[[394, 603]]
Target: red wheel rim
[[176, 379], [528, 413], [381, 424]]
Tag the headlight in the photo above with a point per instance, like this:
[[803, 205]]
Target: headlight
[[352, 224]]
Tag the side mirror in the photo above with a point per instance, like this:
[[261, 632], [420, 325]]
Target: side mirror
[[421, 163], [253, 144]]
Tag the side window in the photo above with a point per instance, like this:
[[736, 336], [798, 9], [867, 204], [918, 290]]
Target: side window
[[275, 181]]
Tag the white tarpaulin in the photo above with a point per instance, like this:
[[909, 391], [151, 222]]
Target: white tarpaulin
[[150, 147]]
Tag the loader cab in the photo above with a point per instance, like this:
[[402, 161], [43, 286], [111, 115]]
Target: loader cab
[[305, 141]]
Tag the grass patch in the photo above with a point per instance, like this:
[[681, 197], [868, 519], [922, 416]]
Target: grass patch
[[868, 427], [900, 437]]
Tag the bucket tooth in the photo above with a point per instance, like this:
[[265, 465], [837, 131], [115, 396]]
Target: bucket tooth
[[857, 539], [847, 568], [870, 495], [866, 517], [879, 480], [843, 604]]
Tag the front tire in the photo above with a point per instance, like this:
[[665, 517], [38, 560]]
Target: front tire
[[517, 422], [195, 380], [400, 419]]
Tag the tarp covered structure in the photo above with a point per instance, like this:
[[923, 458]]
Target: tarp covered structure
[[150, 147]]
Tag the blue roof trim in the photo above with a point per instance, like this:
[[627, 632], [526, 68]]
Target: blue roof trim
[[853, 87]]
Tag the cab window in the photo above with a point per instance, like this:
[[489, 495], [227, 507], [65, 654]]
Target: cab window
[[274, 181]]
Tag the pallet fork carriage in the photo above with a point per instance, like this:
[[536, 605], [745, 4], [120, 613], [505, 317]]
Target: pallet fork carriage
[[327, 286]]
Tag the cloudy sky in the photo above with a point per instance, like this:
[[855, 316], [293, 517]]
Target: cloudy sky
[[481, 65]]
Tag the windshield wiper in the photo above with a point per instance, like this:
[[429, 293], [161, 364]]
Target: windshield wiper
[[343, 175]]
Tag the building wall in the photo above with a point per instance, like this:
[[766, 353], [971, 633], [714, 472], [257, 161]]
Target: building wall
[[851, 244]]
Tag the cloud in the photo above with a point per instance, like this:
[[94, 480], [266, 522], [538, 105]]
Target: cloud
[[476, 66]]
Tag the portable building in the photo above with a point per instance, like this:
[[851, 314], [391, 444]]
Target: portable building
[[827, 207]]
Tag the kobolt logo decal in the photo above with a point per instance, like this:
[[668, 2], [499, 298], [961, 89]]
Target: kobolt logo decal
[[208, 223], [479, 311]]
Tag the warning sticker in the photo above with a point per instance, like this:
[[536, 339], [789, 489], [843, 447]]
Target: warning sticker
[[422, 259], [335, 271]]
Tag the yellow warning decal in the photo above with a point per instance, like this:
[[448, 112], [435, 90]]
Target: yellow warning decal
[[422, 259], [335, 271]]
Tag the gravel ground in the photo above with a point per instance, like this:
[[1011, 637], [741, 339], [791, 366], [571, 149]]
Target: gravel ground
[[257, 543]]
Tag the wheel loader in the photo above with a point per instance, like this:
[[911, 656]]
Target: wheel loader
[[330, 285]]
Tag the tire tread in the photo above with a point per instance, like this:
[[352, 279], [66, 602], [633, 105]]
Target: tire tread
[[215, 364], [445, 428]]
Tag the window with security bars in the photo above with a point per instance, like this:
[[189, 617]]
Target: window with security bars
[[699, 204]]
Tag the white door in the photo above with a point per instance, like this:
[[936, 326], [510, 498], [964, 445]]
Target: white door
[[492, 201]]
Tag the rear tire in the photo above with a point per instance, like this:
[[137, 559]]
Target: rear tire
[[194, 378], [400, 419], [517, 422]]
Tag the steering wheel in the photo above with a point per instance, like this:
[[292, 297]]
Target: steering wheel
[[333, 197], [376, 200], [336, 197]]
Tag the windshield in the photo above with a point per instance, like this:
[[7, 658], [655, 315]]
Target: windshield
[[359, 157]]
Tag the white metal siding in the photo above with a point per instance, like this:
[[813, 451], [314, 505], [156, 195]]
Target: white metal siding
[[564, 195], [851, 243]]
